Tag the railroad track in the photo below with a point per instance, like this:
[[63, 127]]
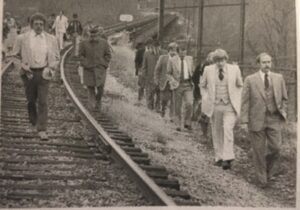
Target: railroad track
[[36, 173]]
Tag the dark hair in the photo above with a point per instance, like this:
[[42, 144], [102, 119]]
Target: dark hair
[[260, 55], [37, 16], [75, 15], [156, 42]]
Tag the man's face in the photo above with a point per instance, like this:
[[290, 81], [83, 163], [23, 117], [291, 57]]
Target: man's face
[[265, 63], [221, 63], [182, 53], [38, 26], [172, 52], [93, 37]]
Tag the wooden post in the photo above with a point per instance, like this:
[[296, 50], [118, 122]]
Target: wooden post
[[161, 20], [200, 28], [242, 30]]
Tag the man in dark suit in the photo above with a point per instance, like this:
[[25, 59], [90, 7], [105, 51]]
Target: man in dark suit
[[138, 60], [149, 61], [95, 56], [264, 110], [75, 30]]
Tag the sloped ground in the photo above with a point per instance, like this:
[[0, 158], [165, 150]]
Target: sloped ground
[[190, 157]]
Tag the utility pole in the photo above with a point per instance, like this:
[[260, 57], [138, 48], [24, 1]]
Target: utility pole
[[161, 20], [200, 28], [242, 30]]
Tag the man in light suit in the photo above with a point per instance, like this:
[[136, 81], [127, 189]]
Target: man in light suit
[[264, 110], [180, 71], [60, 25], [161, 79], [39, 56], [221, 88]]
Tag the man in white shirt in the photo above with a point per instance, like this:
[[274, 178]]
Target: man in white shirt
[[264, 110], [60, 25], [180, 71], [39, 54], [221, 89]]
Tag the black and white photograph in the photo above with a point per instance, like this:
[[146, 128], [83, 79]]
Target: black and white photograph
[[149, 103]]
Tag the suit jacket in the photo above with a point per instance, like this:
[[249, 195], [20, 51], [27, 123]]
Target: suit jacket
[[160, 73], [149, 63], [138, 60], [174, 70], [94, 57], [21, 50], [208, 88], [60, 24], [253, 109], [74, 26]]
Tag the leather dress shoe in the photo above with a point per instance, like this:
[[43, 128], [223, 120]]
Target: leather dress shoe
[[218, 163], [188, 127], [226, 164]]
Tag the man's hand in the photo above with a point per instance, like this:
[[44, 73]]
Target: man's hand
[[244, 127]]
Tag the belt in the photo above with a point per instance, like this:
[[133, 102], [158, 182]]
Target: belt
[[38, 69]]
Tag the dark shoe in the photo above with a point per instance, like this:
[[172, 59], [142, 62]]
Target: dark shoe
[[32, 122], [226, 164], [43, 135], [218, 163], [189, 127]]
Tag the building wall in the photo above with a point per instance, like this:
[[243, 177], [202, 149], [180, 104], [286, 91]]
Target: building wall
[[102, 12]]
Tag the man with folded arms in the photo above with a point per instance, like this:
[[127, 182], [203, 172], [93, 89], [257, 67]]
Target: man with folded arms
[[39, 55]]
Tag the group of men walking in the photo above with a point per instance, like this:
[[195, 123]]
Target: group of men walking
[[259, 102], [217, 89]]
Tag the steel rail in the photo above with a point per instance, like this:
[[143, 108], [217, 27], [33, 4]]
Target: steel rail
[[147, 185]]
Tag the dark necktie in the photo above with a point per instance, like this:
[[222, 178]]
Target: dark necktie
[[221, 75], [266, 81]]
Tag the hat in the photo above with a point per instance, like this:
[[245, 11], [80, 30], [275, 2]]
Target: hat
[[149, 41], [173, 45], [94, 30]]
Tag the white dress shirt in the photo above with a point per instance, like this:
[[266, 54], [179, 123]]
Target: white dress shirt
[[38, 46], [185, 69]]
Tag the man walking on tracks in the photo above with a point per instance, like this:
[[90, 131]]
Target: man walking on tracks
[[221, 89], [60, 25], [75, 31], [264, 110], [95, 56], [180, 71], [39, 56], [161, 79], [150, 59]]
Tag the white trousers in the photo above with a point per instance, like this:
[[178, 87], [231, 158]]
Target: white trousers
[[222, 124], [60, 38]]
